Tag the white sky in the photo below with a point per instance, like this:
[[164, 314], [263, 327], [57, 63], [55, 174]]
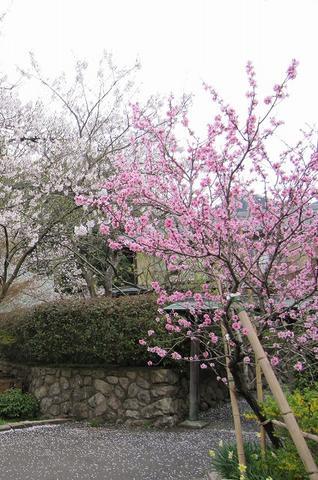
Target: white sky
[[179, 43]]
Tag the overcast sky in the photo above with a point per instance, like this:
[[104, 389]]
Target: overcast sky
[[179, 43]]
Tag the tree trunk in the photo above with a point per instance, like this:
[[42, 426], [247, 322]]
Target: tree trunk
[[260, 398], [242, 389], [108, 282], [109, 273], [234, 403], [90, 282]]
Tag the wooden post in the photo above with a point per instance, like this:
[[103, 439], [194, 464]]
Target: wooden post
[[289, 418], [233, 396], [194, 381]]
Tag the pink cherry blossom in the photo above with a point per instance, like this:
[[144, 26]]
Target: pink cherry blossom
[[226, 215], [275, 361], [299, 366]]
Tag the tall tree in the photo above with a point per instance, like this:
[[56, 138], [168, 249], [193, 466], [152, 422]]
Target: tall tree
[[50, 154], [224, 209]]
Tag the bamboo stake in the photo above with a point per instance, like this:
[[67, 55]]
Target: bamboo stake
[[233, 397], [310, 436], [289, 418]]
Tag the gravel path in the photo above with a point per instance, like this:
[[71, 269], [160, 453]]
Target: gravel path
[[77, 451]]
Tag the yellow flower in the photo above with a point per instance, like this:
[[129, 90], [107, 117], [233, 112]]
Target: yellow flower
[[211, 453], [242, 468]]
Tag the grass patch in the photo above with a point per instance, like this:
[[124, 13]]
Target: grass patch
[[5, 421]]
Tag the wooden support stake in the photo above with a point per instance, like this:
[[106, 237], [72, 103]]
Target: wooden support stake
[[309, 436], [289, 418]]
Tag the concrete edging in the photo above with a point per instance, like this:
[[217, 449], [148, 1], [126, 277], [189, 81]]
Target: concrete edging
[[212, 476], [32, 423]]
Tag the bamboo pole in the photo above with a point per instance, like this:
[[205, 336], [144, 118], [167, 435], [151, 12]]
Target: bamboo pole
[[309, 436], [233, 397], [289, 418]]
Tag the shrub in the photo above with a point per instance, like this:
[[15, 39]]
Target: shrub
[[304, 404], [279, 464], [99, 331], [16, 404]]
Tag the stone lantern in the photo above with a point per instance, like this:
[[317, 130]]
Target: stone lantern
[[184, 308]]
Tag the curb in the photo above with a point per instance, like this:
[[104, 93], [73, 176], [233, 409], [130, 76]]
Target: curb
[[32, 423], [212, 476]]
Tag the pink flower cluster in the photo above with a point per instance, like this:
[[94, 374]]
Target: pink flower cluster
[[192, 205]]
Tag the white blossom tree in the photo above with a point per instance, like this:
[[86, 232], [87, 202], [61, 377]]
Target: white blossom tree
[[50, 154]]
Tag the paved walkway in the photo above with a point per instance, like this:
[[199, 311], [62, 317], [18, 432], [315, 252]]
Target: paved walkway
[[77, 451], [74, 451]]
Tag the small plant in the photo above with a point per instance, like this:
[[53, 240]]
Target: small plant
[[148, 424], [16, 404], [6, 338], [225, 463], [96, 422]]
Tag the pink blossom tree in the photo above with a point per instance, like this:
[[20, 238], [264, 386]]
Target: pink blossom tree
[[233, 215]]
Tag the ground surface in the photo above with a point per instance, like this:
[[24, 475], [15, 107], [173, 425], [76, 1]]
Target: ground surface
[[77, 451]]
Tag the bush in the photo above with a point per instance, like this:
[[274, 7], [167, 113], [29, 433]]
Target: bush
[[15, 404], [279, 464], [304, 404], [99, 331]]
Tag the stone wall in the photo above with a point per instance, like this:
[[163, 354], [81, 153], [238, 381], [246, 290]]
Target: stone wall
[[134, 396]]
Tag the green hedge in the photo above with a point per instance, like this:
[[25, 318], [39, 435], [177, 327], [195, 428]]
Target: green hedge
[[100, 331]]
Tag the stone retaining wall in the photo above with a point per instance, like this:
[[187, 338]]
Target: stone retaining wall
[[134, 396]]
